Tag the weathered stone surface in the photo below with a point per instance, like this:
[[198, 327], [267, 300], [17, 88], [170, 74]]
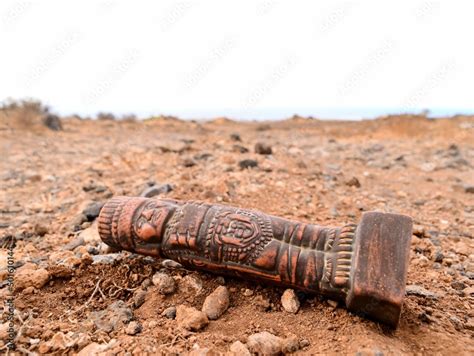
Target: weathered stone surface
[[109, 258], [248, 163], [27, 276], [419, 291], [290, 301], [164, 282], [156, 190], [74, 243], [191, 285], [90, 235], [290, 344], [169, 312], [92, 210], [114, 317], [264, 343], [239, 349], [190, 318], [216, 303], [65, 258], [133, 328], [139, 298]]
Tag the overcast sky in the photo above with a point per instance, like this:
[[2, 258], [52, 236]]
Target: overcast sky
[[242, 59]]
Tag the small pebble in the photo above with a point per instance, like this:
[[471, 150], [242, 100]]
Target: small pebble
[[139, 298], [290, 302], [189, 162], [164, 282], [190, 318], [353, 182], [458, 285], [169, 312], [247, 292], [248, 163], [438, 257], [156, 190], [133, 328], [265, 343], [41, 229], [216, 303], [263, 148], [235, 137]]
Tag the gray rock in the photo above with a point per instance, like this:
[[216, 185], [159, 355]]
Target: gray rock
[[265, 343], [133, 328], [220, 280], [114, 317], [216, 303], [458, 285], [290, 302], [438, 256], [248, 163], [71, 245], [109, 258], [156, 190], [92, 210], [169, 313], [164, 282], [139, 298], [191, 285], [77, 221], [419, 291], [369, 352], [53, 122]]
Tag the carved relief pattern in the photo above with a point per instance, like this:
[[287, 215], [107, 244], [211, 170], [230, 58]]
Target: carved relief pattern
[[237, 236], [238, 241], [338, 256], [344, 255]]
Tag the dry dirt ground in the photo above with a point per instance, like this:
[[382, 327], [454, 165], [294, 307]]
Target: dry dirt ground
[[67, 283]]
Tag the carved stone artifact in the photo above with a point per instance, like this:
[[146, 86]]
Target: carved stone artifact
[[363, 265]]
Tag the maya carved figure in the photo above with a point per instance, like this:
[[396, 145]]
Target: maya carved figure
[[364, 265]]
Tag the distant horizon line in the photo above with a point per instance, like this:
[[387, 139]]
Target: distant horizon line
[[354, 114], [257, 114]]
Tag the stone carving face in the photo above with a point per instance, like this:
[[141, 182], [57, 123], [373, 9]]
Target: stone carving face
[[237, 230], [149, 221]]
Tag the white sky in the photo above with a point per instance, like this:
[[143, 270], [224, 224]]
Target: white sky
[[242, 59]]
